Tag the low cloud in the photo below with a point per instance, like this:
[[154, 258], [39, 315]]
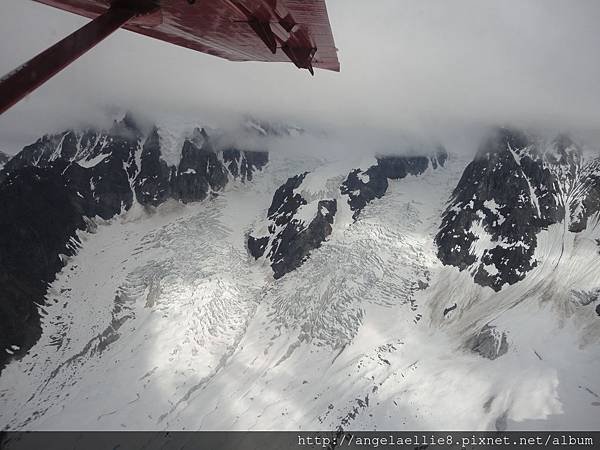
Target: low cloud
[[437, 69]]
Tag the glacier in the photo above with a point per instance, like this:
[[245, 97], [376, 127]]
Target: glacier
[[164, 319]]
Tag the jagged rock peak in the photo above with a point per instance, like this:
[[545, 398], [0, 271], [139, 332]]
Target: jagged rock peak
[[3, 159], [517, 185], [361, 187]]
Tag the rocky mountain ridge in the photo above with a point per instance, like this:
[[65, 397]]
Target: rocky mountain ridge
[[56, 186], [517, 186], [297, 223]]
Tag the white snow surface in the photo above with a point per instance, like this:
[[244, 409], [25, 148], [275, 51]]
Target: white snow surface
[[93, 161], [164, 321]]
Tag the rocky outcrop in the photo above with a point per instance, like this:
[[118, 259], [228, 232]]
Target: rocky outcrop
[[291, 239], [153, 183], [3, 159], [516, 186], [202, 170], [296, 241], [488, 343], [47, 192], [362, 187], [242, 164], [586, 203], [53, 187], [298, 222], [40, 215]]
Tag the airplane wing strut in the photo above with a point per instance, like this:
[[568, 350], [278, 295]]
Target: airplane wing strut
[[35, 72], [296, 31]]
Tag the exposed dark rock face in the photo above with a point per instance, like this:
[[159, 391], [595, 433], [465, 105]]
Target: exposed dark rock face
[[398, 167], [38, 216], [40, 153], [153, 183], [257, 246], [45, 196], [493, 191], [111, 179], [242, 164], [449, 309], [587, 202], [107, 157], [439, 158], [285, 201], [201, 171], [291, 240], [3, 159], [46, 193], [88, 148], [50, 189], [295, 241], [363, 187], [512, 190], [488, 343]]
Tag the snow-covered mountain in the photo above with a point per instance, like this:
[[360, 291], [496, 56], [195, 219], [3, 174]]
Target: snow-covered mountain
[[516, 187], [54, 187], [305, 207], [162, 280]]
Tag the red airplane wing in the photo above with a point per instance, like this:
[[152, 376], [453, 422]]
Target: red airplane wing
[[237, 30]]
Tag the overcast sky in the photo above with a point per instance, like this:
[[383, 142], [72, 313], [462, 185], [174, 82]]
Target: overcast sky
[[406, 64]]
